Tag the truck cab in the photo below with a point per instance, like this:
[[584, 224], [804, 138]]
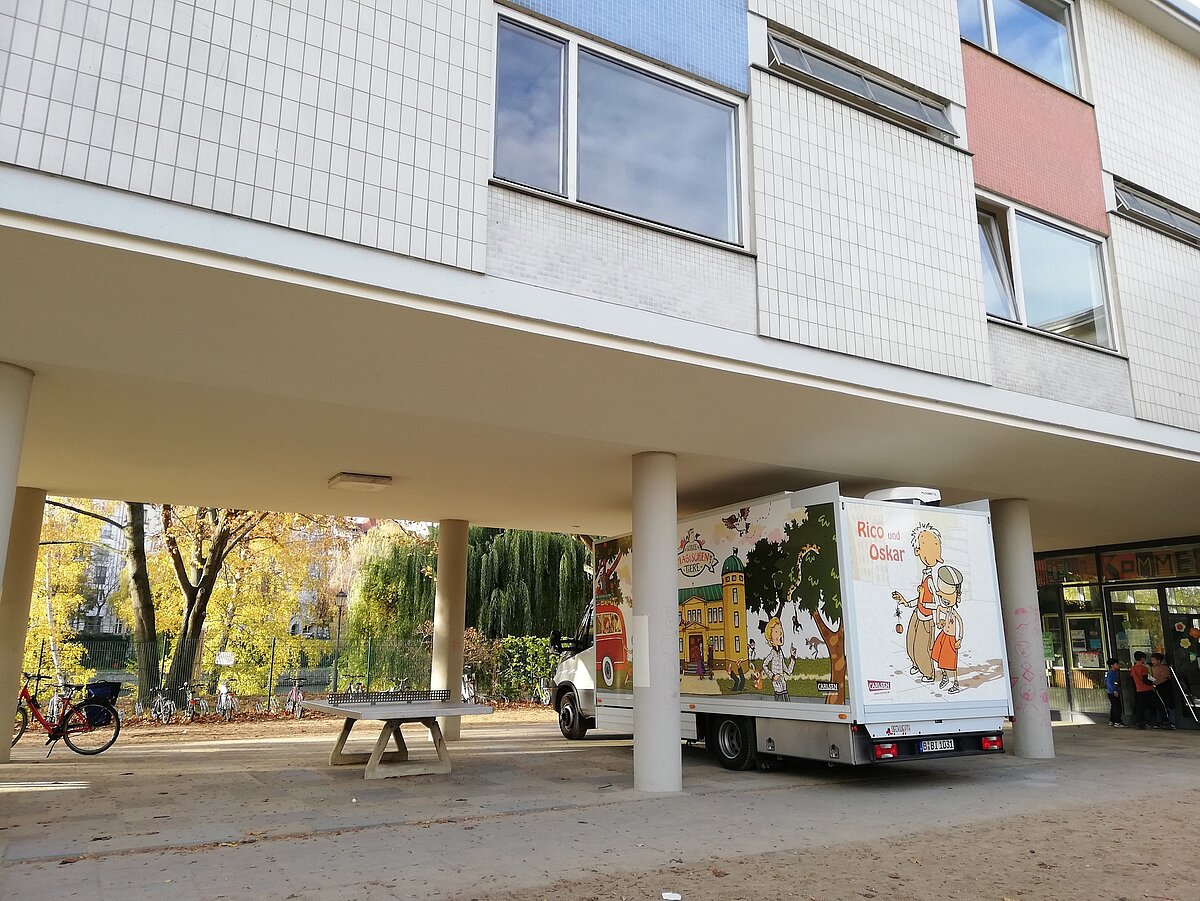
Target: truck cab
[[573, 692]]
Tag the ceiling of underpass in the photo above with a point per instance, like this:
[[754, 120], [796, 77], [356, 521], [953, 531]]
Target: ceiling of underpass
[[169, 378]]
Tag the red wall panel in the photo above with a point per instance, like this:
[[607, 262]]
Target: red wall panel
[[1032, 142]]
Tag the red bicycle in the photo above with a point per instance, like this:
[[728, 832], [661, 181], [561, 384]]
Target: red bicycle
[[88, 727]]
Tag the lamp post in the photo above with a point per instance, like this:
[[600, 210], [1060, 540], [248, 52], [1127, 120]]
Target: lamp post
[[340, 600]]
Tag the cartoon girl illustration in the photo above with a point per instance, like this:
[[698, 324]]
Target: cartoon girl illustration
[[775, 666], [927, 542], [949, 621]]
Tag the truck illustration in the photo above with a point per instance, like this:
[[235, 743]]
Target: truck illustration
[[811, 625]]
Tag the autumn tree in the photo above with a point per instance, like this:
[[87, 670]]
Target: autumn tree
[[69, 539], [801, 570]]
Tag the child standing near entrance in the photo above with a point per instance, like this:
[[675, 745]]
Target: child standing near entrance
[[1112, 686], [1144, 700]]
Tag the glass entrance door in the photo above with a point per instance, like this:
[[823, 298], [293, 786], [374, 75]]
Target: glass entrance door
[[1183, 646], [1054, 651], [1085, 644], [1137, 621]]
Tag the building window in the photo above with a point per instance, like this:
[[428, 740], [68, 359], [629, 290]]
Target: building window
[[737, 644], [997, 285], [1160, 215], [715, 615], [867, 91], [1059, 279], [529, 107], [693, 616], [1033, 34], [643, 145], [735, 597], [736, 619]]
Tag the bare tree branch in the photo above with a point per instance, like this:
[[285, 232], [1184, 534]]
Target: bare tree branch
[[92, 514]]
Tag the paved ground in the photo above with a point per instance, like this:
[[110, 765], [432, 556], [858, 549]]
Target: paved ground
[[528, 815]]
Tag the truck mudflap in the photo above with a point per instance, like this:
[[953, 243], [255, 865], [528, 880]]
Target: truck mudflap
[[916, 747]]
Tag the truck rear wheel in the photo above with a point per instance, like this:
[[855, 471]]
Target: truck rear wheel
[[571, 721], [731, 741]]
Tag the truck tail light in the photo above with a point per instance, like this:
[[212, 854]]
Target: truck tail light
[[993, 743], [885, 751]]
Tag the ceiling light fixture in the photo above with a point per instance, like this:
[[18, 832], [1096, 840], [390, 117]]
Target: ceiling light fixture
[[359, 481]]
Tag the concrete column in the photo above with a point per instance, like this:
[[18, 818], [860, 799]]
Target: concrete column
[[17, 588], [1032, 735], [15, 384], [657, 753], [450, 616]]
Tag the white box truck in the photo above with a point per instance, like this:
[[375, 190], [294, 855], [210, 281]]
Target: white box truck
[[811, 625]]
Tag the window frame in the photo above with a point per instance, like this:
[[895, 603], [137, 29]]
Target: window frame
[[994, 233], [1005, 213], [1156, 213], [864, 90], [992, 43], [575, 44]]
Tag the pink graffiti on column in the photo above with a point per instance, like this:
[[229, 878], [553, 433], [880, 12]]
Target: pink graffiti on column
[[1027, 699]]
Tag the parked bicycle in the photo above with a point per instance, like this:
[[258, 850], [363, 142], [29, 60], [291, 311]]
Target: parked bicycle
[[470, 693], [295, 699], [227, 702], [161, 707], [195, 706], [88, 727], [268, 705]]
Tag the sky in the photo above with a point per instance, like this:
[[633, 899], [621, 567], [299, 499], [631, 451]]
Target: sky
[[1187, 6]]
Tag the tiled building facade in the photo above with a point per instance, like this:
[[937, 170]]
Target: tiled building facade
[[923, 197]]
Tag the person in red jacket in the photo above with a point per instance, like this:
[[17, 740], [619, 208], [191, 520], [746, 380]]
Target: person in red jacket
[[1144, 700]]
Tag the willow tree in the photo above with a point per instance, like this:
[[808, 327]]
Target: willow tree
[[518, 583]]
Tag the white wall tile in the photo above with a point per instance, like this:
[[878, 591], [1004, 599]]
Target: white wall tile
[[866, 235], [530, 239], [1147, 92], [915, 40], [1158, 279], [261, 79]]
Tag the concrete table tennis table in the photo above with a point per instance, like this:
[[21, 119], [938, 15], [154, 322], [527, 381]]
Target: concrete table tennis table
[[382, 763]]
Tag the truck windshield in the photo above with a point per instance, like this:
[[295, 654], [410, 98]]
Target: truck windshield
[[584, 638]]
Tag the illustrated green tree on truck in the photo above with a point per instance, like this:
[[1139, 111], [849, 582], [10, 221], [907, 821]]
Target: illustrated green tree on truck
[[801, 570]]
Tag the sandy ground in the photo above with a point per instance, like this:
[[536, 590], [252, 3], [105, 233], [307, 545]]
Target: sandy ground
[[145, 731], [252, 809], [1047, 858]]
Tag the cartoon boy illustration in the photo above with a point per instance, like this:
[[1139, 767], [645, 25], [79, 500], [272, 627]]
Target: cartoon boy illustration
[[949, 622], [927, 542], [775, 666]]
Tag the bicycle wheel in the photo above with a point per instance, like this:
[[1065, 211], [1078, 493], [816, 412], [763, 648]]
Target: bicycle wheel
[[20, 723], [91, 727]]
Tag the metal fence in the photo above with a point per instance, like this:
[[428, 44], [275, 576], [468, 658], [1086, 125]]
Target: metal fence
[[274, 666]]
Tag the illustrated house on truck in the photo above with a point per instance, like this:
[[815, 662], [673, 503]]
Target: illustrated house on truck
[[713, 617]]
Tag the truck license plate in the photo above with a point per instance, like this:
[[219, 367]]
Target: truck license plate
[[941, 744]]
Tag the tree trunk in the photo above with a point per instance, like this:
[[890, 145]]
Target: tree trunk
[[835, 642], [143, 601]]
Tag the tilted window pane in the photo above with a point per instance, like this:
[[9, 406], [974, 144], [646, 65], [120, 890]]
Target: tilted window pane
[[1060, 279], [656, 151], [901, 103], [529, 108], [939, 119], [1034, 34], [997, 287], [1184, 224], [788, 55], [836, 75], [970, 21]]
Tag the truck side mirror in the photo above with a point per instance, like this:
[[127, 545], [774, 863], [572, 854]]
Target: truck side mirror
[[556, 641]]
